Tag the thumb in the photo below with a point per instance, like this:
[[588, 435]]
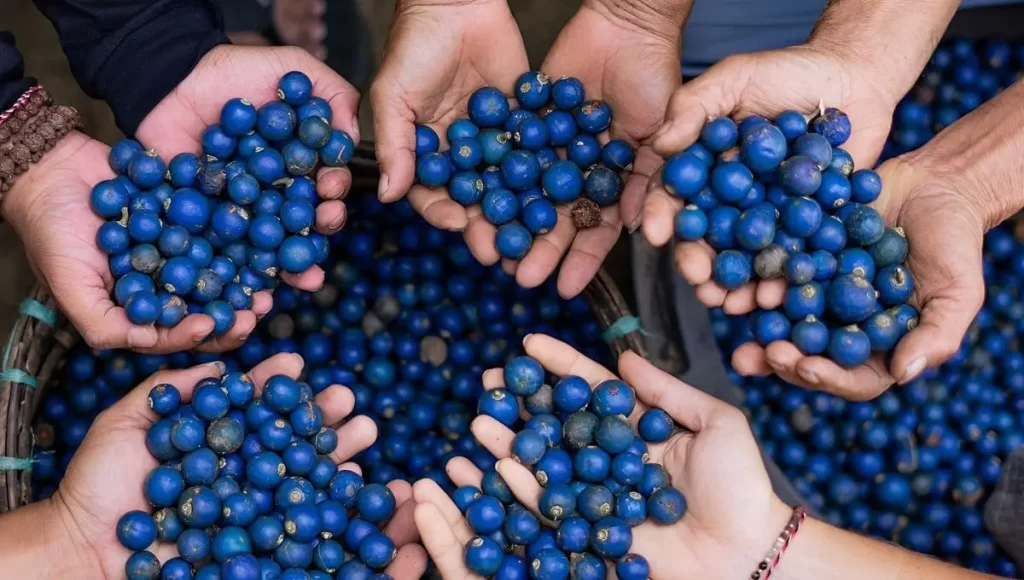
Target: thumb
[[395, 136], [943, 323], [715, 93], [134, 407], [102, 323]]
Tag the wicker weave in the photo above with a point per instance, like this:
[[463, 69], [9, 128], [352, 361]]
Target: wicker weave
[[38, 349]]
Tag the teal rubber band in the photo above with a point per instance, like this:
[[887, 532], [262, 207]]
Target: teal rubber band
[[15, 464], [39, 311], [18, 376], [622, 327]]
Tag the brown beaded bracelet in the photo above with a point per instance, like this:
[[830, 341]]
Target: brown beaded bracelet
[[33, 139], [771, 560], [27, 106]]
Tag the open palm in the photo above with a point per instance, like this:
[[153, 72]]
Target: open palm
[[436, 56], [609, 53], [713, 460], [49, 209], [227, 72]]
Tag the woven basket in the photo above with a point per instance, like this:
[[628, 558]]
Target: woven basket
[[41, 336]]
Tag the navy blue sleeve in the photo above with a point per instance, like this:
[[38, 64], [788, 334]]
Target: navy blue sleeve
[[132, 53], [13, 81]]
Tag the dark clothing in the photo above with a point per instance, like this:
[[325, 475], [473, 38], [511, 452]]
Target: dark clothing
[[129, 53]]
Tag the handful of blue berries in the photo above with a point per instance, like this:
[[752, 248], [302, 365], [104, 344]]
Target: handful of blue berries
[[518, 165], [248, 490], [202, 234], [782, 200], [593, 467]]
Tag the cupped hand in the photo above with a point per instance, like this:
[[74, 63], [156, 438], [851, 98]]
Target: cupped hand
[[945, 230], [626, 54], [49, 209], [438, 53], [105, 478], [799, 78], [733, 516], [177, 123]]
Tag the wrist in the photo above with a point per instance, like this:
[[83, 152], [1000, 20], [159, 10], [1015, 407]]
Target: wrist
[[664, 18], [42, 541], [742, 554], [30, 186]]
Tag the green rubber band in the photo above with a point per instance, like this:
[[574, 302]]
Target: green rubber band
[[15, 464], [39, 311], [18, 376], [622, 327]]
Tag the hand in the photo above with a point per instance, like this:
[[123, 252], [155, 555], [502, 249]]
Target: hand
[[49, 209], [226, 72], [765, 83], [733, 515], [105, 478], [438, 53], [946, 229], [611, 45]]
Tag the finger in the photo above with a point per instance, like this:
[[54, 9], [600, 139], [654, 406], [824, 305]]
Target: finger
[[402, 527], [860, 383], [712, 94], [547, 251], [588, 251], [333, 182], [411, 561], [942, 325], [462, 472], [694, 261], [634, 191], [711, 294], [395, 138], [510, 267], [330, 216], [135, 405], [741, 300], [427, 492], [401, 490], [659, 213], [245, 323], [749, 360], [443, 545], [440, 210], [103, 325], [480, 237], [288, 364], [494, 436], [353, 437], [523, 484], [771, 293], [563, 360], [262, 302], [783, 356], [336, 402], [353, 467], [690, 407], [311, 280]]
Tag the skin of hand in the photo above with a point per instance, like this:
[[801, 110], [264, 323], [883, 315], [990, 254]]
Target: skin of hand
[[226, 72], [49, 209], [610, 45], [105, 478], [439, 52], [733, 516]]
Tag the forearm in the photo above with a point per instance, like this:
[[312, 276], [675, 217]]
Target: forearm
[[132, 53], [36, 544], [662, 17], [893, 39], [820, 551], [983, 154]]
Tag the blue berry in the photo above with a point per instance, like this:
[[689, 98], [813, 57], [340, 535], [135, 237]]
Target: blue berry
[[800, 175], [561, 128], [731, 180], [894, 285], [755, 228], [890, 249], [539, 216], [800, 217], [532, 134], [882, 331], [632, 567], [557, 501], [190, 209], [297, 215], [864, 226], [611, 538], [376, 551], [113, 238], [866, 186], [427, 140], [217, 143], [223, 316], [849, 346], [533, 90], [495, 145], [298, 158], [375, 503], [142, 566], [237, 117], [339, 149], [485, 515], [164, 399], [513, 241], [567, 93], [666, 506], [194, 545], [563, 182], [466, 154], [691, 223], [466, 188], [816, 147], [834, 125], [655, 426], [719, 134], [432, 170], [594, 117], [771, 326], [296, 254], [762, 147], [143, 308], [792, 124], [483, 556], [499, 206], [722, 220], [802, 301], [800, 268], [276, 121], [520, 170], [488, 107], [834, 191], [850, 298], [732, 269], [603, 186], [144, 226], [462, 129], [146, 169], [199, 507], [294, 88], [136, 530], [830, 235], [121, 154]]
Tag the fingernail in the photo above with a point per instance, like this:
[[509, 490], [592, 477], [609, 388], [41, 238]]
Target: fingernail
[[221, 368], [526, 338], [913, 369], [382, 187], [355, 128], [633, 227], [808, 375], [141, 337]]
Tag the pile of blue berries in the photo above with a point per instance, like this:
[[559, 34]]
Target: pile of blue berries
[[247, 489], [518, 165], [202, 234], [597, 483], [781, 199]]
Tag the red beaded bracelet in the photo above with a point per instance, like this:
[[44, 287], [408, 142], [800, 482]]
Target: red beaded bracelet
[[774, 556], [19, 103]]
